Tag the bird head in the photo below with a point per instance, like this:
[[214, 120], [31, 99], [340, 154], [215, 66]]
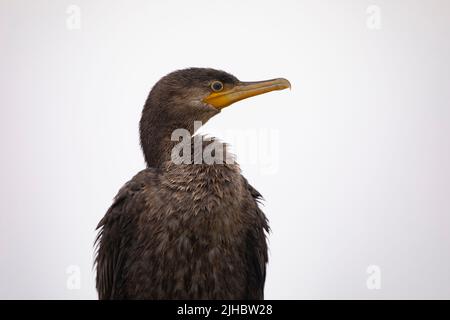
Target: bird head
[[194, 94], [200, 93]]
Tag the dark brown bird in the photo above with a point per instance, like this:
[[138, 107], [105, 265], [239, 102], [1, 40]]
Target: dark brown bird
[[189, 230]]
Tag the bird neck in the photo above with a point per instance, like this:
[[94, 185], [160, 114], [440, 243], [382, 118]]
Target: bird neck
[[161, 123], [157, 143]]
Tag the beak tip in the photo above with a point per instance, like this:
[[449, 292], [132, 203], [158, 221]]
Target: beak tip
[[286, 83]]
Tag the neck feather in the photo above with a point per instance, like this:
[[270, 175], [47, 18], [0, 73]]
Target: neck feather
[[157, 125]]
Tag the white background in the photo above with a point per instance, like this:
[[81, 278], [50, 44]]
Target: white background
[[361, 147]]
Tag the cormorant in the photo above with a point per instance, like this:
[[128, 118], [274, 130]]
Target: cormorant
[[185, 230]]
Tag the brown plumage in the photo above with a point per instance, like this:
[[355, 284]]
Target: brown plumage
[[185, 231]]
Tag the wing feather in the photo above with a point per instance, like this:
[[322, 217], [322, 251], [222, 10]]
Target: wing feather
[[256, 248], [115, 234]]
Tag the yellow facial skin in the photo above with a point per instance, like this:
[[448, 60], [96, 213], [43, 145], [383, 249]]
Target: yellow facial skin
[[243, 90]]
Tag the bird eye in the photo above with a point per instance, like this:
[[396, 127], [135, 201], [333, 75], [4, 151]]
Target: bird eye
[[217, 86]]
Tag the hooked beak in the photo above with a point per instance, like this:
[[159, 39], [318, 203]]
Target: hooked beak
[[244, 90]]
